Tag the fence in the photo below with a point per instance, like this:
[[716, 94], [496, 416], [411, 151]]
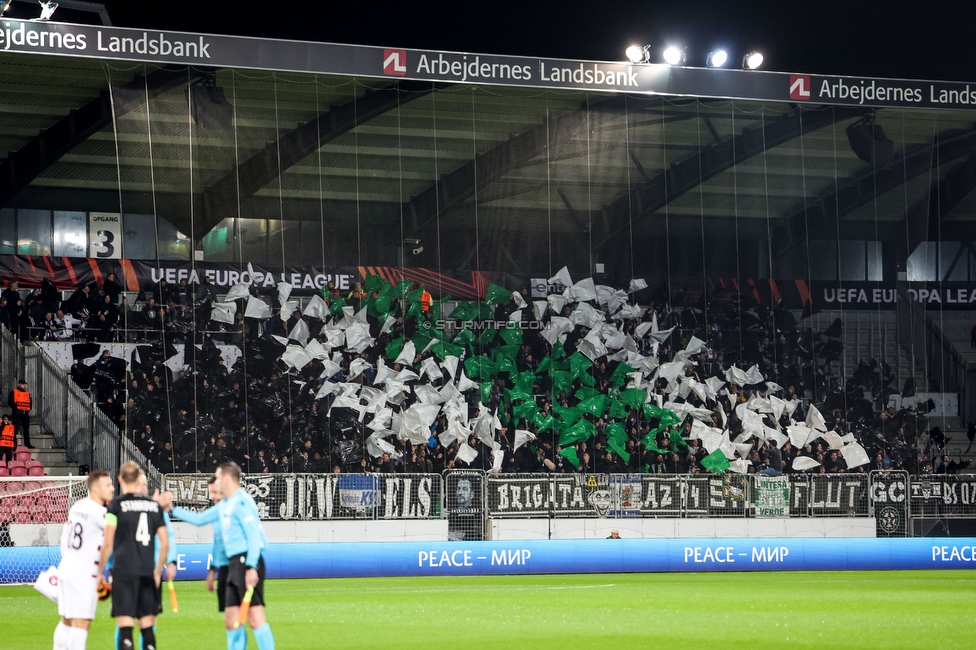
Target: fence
[[88, 436]]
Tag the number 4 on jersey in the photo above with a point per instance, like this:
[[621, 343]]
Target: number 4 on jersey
[[142, 530]]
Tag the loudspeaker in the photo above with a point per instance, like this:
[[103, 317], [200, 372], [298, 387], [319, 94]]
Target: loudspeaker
[[869, 143]]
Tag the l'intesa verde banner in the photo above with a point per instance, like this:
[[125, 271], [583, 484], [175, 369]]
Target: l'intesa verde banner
[[348, 560], [145, 275]]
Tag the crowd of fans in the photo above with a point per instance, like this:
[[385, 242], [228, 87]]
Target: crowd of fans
[[270, 417]]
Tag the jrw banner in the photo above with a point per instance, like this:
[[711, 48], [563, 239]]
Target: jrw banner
[[324, 496]]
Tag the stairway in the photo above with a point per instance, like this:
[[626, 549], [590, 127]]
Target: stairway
[[871, 335], [54, 459]]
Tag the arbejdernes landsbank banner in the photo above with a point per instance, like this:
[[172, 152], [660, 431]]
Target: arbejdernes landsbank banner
[[218, 51]]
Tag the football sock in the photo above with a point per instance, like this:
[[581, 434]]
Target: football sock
[[264, 637], [148, 639], [125, 639], [61, 636], [77, 638], [236, 639]]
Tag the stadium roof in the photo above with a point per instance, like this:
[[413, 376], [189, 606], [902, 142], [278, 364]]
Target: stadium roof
[[718, 151]]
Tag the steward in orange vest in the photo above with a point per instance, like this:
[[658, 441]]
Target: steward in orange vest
[[8, 439], [19, 401]]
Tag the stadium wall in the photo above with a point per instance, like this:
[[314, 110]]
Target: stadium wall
[[536, 529], [349, 560], [395, 530]]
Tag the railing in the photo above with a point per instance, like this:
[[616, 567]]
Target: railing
[[88, 436], [902, 505]]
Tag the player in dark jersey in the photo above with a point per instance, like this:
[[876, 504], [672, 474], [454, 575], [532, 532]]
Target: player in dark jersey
[[131, 524]]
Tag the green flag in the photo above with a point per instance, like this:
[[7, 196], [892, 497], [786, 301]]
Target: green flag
[[715, 462], [586, 393], [463, 311], [336, 305], [568, 414], [525, 410], [480, 367], [374, 283], [579, 432], [619, 449], [595, 406], [544, 365], [569, 453], [525, 382], [487, 335], [619, 375], [464, 337], [562, 381], [632, 397], [543, 421], [394, 348], [444, 350], [486, 391], [578, 364], [617, 410], [616, 432], [402, 287], [511, 335], [497, 295], [558, 351]]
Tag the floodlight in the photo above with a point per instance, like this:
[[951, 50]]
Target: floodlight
[[752, 60], [675, 56], [4, 5], [637, 53], [716, 58], [47, 9]]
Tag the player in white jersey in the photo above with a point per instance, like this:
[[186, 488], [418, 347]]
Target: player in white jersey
[[81, 546]]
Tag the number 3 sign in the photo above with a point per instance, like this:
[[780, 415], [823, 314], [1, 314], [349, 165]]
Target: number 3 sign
[[105, 235]]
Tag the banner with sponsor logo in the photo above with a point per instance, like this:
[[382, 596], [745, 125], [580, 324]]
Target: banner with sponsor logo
[[311, 497], [116, 43]]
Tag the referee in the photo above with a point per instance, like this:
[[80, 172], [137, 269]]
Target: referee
[[131, 524], [244, 539], [218, 562]]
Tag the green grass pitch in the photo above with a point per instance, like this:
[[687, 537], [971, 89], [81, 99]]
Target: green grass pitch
[[899, 609]]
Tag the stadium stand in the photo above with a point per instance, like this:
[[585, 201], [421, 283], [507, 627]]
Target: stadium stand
[[273, 415]]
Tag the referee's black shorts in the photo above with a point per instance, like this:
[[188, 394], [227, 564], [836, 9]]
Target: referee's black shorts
[[134, 596], [236, 584], [221, 587]]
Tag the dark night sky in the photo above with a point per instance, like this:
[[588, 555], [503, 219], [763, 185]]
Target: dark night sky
[[929, 39]]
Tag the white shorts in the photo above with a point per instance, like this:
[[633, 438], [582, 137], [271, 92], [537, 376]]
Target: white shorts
[[77, 595]]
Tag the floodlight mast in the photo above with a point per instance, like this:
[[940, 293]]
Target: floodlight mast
[[47, 9]]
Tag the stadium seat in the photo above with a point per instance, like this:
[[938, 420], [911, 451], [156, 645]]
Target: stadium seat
[[35, 468], [4, 471], [21, 515], [17, 468], [23, 454]]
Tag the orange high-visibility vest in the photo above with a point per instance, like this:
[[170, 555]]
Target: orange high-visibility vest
[[7, 436], [425, 300], [22, 401]]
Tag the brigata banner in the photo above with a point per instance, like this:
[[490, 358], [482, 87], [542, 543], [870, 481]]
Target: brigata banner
[[324, 496], [215, 51], [353, 560]]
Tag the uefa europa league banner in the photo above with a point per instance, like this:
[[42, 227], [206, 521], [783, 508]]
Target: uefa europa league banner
[[145, 275]]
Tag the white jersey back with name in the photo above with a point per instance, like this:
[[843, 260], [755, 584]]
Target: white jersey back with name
[[82, 537]]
